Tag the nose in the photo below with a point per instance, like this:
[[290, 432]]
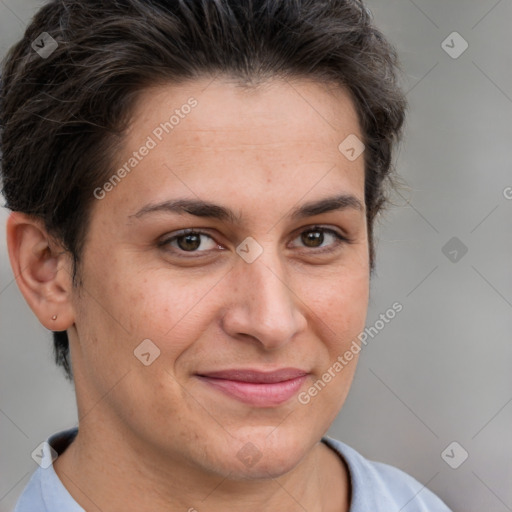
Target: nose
[[263, 304]]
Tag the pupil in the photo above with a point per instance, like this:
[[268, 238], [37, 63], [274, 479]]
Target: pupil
[[191, 242], [312, 237]]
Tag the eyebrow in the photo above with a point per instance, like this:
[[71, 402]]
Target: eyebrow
[[200, 208]]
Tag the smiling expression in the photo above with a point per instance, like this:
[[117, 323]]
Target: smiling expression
[[248, 170]]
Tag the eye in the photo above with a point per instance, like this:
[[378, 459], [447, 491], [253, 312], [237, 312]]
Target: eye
[[194, 241], [190, 241], [319, 237]]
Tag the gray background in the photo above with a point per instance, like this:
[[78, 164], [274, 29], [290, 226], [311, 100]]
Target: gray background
[[441, 370]]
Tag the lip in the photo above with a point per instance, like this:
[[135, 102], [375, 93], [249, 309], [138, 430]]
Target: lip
[[257, 388]]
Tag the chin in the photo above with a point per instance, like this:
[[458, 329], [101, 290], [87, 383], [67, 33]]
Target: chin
[[268, 452]]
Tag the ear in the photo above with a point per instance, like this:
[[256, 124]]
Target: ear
[[42, 270]]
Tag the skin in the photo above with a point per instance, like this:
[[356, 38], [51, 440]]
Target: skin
[[156, 437]]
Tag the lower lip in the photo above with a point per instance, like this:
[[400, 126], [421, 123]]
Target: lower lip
[[257, 394]]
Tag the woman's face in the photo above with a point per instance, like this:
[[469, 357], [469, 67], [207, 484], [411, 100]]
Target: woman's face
[[268, 279]]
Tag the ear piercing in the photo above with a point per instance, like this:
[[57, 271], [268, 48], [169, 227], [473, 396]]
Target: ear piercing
[[54, 317]]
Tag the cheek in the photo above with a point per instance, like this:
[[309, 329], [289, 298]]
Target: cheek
[[341, 307], [341, 303], [170, 309]]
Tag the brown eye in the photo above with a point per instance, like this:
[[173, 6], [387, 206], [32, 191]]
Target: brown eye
[[189, 241], [319, 238], [312, 238]]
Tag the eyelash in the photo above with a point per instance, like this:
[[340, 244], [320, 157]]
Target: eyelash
[[340, 239]]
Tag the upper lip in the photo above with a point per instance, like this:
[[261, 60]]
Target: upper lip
[[243, 375]]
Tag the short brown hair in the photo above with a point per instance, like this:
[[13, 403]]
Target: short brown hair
[[63, 116]]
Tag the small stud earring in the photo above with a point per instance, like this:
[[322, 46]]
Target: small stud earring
[[54, 317]]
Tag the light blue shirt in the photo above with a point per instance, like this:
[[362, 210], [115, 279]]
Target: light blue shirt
[[376, 487]]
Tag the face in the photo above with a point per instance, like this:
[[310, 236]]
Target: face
[[236, 247]]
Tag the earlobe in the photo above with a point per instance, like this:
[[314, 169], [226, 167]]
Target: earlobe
[[42, 271]]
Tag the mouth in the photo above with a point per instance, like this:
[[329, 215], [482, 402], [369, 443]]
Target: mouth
[[254, 387]]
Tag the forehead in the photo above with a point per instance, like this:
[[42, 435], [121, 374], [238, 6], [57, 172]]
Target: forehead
[[219, 138], [225, 104]]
